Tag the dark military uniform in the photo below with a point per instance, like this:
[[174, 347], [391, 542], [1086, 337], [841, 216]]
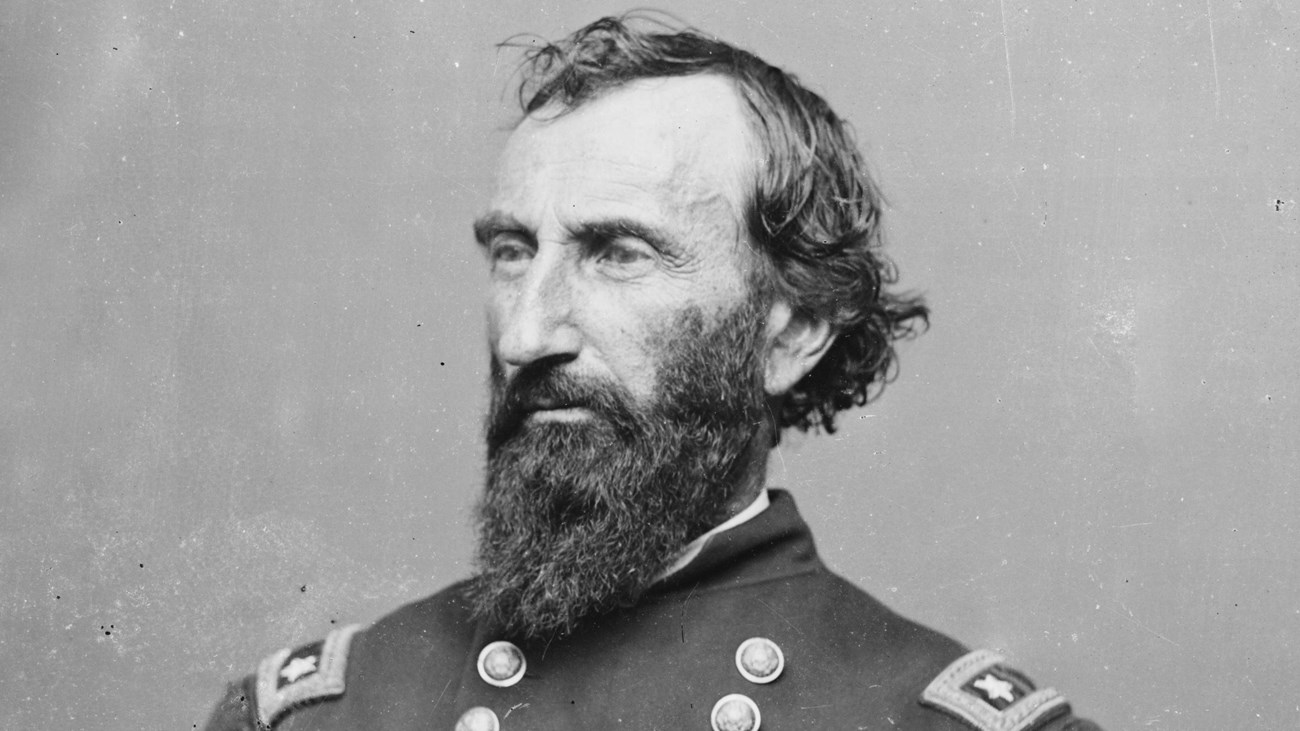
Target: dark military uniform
[[754, 632]]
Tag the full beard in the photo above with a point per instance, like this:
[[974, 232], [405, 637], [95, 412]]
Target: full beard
[[579, 518]]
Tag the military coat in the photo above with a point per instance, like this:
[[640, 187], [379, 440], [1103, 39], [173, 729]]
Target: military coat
[[755, 632]]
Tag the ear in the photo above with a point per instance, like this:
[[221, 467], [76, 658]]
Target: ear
[[795, 345]]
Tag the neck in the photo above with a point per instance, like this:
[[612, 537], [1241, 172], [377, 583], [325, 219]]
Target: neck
[[751, 472]]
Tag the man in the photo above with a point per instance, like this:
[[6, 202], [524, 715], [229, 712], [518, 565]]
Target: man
[[684, 260]]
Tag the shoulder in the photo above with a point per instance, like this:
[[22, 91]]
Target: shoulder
[[439, 618], [948, 682], [348, 663], [911, 674], [861, 633]]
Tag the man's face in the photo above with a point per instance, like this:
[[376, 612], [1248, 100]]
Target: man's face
[[627, 350], [612, 220]]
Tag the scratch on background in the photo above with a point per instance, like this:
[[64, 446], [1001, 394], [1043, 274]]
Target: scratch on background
[[1129, 617], [763, 25], [1006, 52], [1214, 57], [1215, 220]]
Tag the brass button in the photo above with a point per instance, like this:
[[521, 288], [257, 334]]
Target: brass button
[[478, 718], [735, 712], [759, 660], [501, 664]]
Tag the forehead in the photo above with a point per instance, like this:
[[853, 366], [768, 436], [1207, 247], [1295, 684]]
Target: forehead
[[652, 147]]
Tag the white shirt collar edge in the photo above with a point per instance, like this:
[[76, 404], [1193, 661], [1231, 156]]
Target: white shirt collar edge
[[688, 554]]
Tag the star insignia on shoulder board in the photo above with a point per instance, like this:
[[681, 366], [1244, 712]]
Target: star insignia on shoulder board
[[291, 678], [298, 664], [981, 690], [298, 667], [996, 690]]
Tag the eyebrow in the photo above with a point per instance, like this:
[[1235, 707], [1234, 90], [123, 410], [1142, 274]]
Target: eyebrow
[[607, 229], [496, 222]]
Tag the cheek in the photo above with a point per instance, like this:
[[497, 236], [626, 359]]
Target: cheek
[[497, 305], [651, 352], [629, 354], [494, 329], [624, 337], [493, 324]]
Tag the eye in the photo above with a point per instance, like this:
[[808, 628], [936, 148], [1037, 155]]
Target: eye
[[508, 252], [625, 252]]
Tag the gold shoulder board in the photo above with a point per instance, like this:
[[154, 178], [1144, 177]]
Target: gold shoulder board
[[290, 678], [979, 689]]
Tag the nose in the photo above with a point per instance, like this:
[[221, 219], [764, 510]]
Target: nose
[[533, 312]]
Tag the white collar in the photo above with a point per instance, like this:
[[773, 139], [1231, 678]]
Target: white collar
[[693, 548]]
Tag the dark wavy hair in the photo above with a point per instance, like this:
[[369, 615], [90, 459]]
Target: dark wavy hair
[[814, 211]]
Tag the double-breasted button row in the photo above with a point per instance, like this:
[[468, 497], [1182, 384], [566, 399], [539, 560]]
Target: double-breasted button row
[[733, 712], [758, 659]]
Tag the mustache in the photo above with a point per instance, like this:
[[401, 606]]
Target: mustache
[[546, 385]]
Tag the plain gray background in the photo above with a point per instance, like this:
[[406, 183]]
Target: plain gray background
[[242, 368]]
